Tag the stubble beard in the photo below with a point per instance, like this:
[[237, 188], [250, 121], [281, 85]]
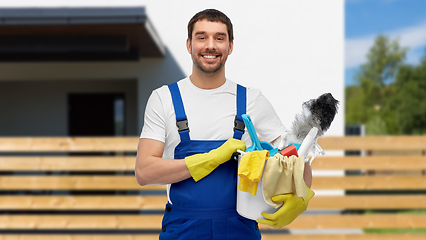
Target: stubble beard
[[209, 71]]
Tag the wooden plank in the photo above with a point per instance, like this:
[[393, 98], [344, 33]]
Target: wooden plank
[[158, 202], [67, 163], [90, 144], [264, 237], [369, 202], [141, 222], [357, 221], [68, 144], [61, 144], [396, 163], [73, 183], [79, 237], [127, 163], [150, 222], [383, 182], [117, 182], [373, 142], [344, 236], [83, 202]]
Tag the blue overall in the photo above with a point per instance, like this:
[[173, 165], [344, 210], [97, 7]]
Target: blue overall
[[206, 209]]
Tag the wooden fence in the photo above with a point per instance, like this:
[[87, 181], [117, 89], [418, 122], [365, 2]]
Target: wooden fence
[[84, 188]]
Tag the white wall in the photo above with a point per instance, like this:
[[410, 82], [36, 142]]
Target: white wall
[[291, 50]]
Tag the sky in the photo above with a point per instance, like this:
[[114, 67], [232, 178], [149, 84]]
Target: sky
[[365, 19]]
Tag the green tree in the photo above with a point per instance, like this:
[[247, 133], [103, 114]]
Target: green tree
[[354, 105], [367, 102], [409, 99]]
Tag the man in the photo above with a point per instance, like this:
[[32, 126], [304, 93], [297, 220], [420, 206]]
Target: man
[[190, 132]]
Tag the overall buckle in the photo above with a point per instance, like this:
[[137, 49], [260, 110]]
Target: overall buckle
[[239, 125], [182, 125]]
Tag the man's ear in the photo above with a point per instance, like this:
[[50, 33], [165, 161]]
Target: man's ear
[[188, 46], [231, 47]]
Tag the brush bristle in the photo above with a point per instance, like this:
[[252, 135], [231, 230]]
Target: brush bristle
[[324, 108], [318, 113]]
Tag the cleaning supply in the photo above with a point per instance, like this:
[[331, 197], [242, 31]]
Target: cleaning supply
[[293, 206], [318, 113], [200, 165], [250, 170], [289, 151], [251, 203], [307, 143], [283, 175], [251, 206], [256, 143], [252, 164]]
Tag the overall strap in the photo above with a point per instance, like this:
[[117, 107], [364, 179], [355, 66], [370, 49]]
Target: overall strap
[[181, 120], [241, 109]]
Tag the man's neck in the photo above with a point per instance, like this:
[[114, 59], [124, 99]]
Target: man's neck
[[207, 81]]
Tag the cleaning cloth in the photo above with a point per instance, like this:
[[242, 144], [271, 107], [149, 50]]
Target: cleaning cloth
[[283, 175], [250, 170]]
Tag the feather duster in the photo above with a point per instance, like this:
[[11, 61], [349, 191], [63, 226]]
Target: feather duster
[[317, 113]]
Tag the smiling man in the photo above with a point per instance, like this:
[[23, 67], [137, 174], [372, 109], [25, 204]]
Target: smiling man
[[209, 45], [191, 130]]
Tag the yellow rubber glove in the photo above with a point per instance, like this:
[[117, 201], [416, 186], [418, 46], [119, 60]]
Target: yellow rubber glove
[[293, 206], [201, 165]]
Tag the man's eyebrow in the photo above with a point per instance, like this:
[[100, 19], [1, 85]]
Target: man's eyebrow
[[203, 32], [199, 33]]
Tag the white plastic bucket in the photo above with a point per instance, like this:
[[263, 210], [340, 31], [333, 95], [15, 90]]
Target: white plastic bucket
[[251, 206]]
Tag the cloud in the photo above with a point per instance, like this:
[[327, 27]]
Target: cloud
[[412, 37], [356, 49]]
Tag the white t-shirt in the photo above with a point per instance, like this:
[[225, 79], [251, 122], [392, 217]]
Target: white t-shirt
[[210, 115]]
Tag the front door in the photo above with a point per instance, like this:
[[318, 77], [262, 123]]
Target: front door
[[95, 114]]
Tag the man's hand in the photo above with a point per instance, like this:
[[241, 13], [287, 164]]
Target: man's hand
[[200, 165], [292, 207]]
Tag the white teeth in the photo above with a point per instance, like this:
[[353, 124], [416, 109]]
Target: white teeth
[[209, 56]]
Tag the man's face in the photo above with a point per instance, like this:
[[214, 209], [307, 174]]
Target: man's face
[[210, 46]]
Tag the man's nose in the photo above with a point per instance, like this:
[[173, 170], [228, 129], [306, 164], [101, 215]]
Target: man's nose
[[210, 44]]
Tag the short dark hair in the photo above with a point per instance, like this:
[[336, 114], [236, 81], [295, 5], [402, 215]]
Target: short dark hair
[[212, 15]]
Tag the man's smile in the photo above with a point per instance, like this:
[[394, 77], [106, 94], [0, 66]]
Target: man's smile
[[210, 56]]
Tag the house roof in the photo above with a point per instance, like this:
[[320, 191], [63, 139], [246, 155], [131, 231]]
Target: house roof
[[109, 33]]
